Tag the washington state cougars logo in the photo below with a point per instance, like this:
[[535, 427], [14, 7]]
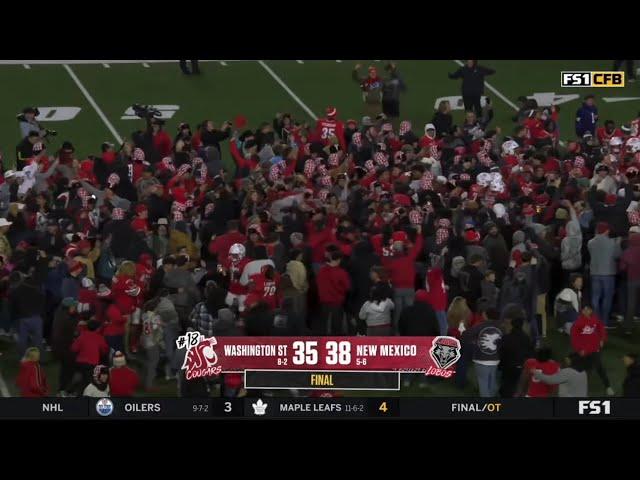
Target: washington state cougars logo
[[201, 358], [445, 352]]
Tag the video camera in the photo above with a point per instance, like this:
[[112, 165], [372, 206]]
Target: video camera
[[146, 111]]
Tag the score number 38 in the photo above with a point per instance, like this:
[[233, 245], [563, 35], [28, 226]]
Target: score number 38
[[306, 353]]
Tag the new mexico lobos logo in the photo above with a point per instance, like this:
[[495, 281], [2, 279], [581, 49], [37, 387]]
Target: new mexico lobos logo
[[445, 351]]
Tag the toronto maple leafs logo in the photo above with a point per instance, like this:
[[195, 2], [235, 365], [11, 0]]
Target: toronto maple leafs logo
[[445, 351]]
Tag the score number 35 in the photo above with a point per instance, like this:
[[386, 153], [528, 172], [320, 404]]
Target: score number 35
[[306, 353]]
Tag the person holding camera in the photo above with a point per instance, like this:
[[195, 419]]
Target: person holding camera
[[27, 122], [371, 87]]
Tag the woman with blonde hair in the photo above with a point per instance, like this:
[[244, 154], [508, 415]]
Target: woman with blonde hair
[[458, 316], [32, 381]]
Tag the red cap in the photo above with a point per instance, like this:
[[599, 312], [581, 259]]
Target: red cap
[[141, 207], [399, 236], [610, 199], [542, 199], [602, 227], [402, 199], [471, 236]]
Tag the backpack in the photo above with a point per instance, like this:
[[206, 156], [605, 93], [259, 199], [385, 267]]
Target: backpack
[[106, 267]]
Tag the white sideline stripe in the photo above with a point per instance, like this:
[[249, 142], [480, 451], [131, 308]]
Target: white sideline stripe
[[146, 65], [4, 390], [96, 62], [27, 66], [338, 61], [93, 104], [106, 65], [299, 61], [495, 91], [223, 63], [287, 89]]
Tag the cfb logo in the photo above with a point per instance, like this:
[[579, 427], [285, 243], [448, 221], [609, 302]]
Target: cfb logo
[[592, 79], [594, 407]]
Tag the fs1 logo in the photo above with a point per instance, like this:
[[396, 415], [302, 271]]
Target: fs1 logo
[[592, 79], [594, 407]]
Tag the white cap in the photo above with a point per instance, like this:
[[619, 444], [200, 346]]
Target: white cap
[[441, 179], [427, 160], [429, 126], [633, 206], [4, 222], [499, 210], [9, 173], [163, 221]]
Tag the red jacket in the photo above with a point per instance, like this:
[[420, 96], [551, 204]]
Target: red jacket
[[402, 268], [333, 285], [437, 294], [123, 381], [220, 245], [587, 333], [115, 322], [89, 347], [32, 380], [319, 239], [162, 143]]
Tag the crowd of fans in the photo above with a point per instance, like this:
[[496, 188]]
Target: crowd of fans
[[338, 228]]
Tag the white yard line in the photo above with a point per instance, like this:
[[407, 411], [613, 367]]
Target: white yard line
[[495, 91], [223, 63], [93, 104], [4, 390], [106, 65], [338, 61], [288, 90], [300, 61], [27, 66], [146, 65]]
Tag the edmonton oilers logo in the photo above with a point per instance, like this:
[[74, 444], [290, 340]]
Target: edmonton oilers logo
[[104, 407]]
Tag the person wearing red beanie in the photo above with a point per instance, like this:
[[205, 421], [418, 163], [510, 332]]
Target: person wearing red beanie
[[123, 380], [114, 328]]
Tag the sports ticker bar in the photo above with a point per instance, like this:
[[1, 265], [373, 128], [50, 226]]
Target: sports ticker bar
[[271, 407]]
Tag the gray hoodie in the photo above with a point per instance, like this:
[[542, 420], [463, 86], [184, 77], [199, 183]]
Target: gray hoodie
[[572, 383], [571, 246], [376, 314], [604, 252]]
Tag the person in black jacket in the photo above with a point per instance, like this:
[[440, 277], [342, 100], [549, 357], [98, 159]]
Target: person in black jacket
[[471, 280], [419, 319], [517, 347], [63, 330], [631, 384], [211, 136], [472, 76], [615, 215], [442, 119], [361, 262], [391, 89], [26, 302]]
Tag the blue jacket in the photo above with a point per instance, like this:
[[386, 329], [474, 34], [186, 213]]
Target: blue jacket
[[586, 119]]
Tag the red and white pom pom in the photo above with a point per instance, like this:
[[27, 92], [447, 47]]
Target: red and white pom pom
[[309, 168], [323, 194], [138, 155], [334, 160], [369, 166], [184, 169], [426, 182], [356, 139], [113, 180], [405, 127], [415, 217], [117, 214], [325, 181], [381, 159]]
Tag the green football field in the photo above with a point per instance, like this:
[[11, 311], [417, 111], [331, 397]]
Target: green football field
[[87, 102]]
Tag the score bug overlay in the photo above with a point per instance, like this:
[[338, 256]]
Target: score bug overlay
[[592, 79]]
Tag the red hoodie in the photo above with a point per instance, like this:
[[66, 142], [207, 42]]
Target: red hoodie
[[333, 285], [32, 380], [162, 143], [587, 333], [89, 347], [436, 292], [402, 268], [123, 381], [115, 322]]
